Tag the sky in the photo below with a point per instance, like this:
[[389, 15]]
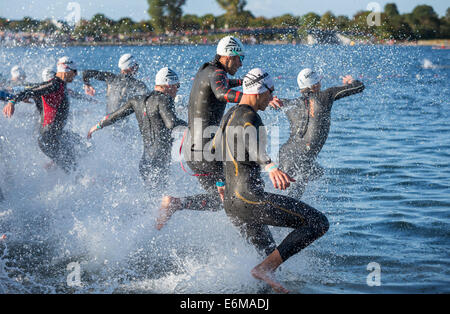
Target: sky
[[137, 9]]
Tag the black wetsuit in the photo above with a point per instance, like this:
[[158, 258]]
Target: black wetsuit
[[119, 89], [156, 117], [211, 91], [310, 121], [63, 147], [251, 209]]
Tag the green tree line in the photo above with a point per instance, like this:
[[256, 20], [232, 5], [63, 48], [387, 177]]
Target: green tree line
[[167, 16]]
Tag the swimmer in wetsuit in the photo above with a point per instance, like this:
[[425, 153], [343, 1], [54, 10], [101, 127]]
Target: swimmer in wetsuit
[[241, 143], [18, 80], [156, 117], [59, 145], [310, 120], [120, 87], [211, 91]]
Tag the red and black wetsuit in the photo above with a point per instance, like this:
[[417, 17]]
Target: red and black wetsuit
[[211, 91], [54, 142]]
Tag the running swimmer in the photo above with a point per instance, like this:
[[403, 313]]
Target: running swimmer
[[120, 87], [310, 120], [211, 91], [59, 145], [241, 141], [156, 117], [18, 80]]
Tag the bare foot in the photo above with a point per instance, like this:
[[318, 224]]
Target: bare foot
[[266, 275], [169, 206]]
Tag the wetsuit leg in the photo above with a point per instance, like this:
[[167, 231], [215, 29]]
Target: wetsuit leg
[[58, 149], [210, 201], [154, 172], [281, 211]]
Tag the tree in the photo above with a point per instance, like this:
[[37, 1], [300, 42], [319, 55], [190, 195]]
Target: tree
[[445, 25], [391, 10], [232, 7], [174, 13], [165, 14], [235, 15], [424, 22], [328, 20], [156, 12]]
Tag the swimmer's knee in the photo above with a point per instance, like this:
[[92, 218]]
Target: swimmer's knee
[[323, 225]]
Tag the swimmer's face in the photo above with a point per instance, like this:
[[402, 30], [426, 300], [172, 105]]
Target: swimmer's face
[[265, 98], [233, 64], [316, 87], [172, 90], [70, 76]]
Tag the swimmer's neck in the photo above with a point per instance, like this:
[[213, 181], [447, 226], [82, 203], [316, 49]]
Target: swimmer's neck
[[251, 101]]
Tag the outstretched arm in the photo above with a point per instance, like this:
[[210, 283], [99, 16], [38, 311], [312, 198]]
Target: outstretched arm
[[349, 88], [97, 75], [280, 180], [34, 92], [117, 115]]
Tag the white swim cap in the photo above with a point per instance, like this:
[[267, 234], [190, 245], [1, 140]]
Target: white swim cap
[[17, 72], [166, 76], [48, 74], [307, 78], [256, 82], [230, 46], [127, 61], [65, 65]]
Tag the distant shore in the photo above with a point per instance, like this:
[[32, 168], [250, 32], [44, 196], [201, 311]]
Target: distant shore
[[441, 43]]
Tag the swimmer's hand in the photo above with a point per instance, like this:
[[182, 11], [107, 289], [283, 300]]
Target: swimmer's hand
[[276, 103], [221, 190], [346, 80], [92, 130], [89, 90], [280, 180], [8, 110]]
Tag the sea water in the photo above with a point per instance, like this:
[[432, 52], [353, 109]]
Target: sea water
[[385, 189]]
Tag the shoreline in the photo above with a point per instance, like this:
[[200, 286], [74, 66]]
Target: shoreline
[[440, 43]]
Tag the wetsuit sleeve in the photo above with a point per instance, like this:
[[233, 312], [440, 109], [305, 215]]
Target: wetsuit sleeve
[[290, 102], [97, 75], [256, 151], [77, 95], [120, 113], [167, 112], [38, 91], [221, 88], [234, 83], [339, 92], [5, 96]]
